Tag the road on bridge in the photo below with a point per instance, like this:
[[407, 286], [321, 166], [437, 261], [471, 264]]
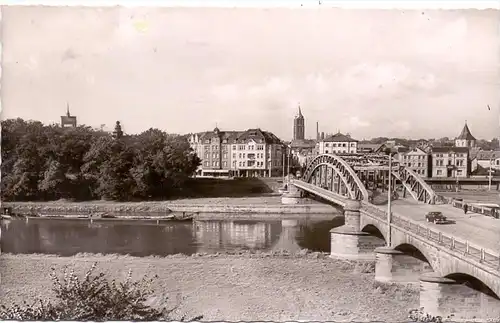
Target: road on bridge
[[478, 229]]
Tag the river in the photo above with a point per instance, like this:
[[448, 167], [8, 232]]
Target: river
[[67, 237]]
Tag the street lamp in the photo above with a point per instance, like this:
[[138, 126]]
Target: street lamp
[[389, 198], [489, 176]]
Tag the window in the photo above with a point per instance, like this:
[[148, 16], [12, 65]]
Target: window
[[225, 164], [326, 151], [343, 145], [352, 145], [225, 155], [439, 172], [234, 147], [213, 163], [207, 164], [327, 145], [234, 155], [207, 155], [260, 147]]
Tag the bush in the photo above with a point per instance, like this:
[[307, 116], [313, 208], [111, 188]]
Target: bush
[[418, 315], [93, 298]]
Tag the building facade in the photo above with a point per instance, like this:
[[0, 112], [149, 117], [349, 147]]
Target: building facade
[[251, 153], [487, 159], [465, 139], [450, 162], [337, 144], [415, 159]]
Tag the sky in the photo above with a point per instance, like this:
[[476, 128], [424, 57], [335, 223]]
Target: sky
[[370, 73]]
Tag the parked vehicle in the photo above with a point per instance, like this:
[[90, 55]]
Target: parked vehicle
[[435, 217]]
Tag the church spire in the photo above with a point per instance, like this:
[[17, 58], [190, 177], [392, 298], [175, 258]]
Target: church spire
[[300, 112], [67, 109]]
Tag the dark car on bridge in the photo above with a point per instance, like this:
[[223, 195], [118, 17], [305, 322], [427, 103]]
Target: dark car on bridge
[[435, 217]]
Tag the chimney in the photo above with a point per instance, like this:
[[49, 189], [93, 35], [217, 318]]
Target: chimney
[[322, 135], [317, 130]]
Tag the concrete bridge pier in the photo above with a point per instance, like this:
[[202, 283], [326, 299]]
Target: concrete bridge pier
[[292, 196], [347, 241], [395, 266], [446, 297]]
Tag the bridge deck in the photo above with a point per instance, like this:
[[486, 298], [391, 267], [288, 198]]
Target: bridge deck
[[480, 230]]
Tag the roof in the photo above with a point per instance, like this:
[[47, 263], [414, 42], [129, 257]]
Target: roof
[[450, 149], [416, 151], [368, 146], [233, 137], [339, 137], [303, 143], [465, 134], [487, 155]]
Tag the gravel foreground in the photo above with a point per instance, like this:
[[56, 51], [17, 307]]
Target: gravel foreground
[[232, 287]]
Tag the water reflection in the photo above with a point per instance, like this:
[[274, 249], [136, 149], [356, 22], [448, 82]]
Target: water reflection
[[143, 238]]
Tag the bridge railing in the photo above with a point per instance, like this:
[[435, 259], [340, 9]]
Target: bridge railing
[[483, 255], [486, 210]]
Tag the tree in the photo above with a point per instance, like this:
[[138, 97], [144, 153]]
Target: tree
[[50, 162]]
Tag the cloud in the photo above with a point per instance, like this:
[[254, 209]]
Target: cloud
[[68, 54], [226, 92], [356, 122]]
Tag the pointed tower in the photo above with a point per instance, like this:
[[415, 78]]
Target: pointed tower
[[299, 126], [465, 139], [68, 120]]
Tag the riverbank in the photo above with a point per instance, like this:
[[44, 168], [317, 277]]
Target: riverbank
[[226, 287], [234, 205]]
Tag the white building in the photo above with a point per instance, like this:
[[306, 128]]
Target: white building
[[415, 159], [251, 153], [450, 162], [337, 144]]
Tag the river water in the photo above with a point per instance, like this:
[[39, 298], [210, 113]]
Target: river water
[[66, 237]]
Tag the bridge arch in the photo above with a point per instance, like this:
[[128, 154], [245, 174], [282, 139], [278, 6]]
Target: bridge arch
[[474, 283], [374, 230], [347, 174], [415, 252]]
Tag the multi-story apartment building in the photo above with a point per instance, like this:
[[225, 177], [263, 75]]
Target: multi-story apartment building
[[337, 144], [251, 153], [415, 159], [450, 162]]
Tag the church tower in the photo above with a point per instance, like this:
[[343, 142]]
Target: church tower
[[299, 126], [68, 120], [465, 139]]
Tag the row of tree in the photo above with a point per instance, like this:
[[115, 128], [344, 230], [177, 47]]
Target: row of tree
[[48, 162]]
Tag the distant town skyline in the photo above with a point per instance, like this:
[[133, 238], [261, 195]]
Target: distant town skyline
[[372, 73]]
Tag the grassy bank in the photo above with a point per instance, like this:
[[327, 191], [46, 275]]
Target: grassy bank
[[235, 287], [256, 204]]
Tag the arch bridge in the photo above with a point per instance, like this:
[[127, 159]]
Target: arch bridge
[[406, 249], [358, 176]]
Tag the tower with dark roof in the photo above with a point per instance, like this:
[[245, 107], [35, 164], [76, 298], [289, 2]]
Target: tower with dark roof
[[299, 126], [465, 139]]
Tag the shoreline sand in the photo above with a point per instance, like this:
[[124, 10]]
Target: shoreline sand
[[232, 287]]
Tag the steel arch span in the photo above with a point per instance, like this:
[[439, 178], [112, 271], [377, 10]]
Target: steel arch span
[[334, 173], [339, 173]]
